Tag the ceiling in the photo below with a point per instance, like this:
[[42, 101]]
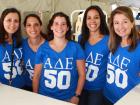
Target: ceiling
[[131, 3]]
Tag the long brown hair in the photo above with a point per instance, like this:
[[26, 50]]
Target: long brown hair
[[115, 40], [50, 34], [103, 25], [3, 33], [39, 20]]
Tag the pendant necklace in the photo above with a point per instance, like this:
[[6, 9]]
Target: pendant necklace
[[95, 36]]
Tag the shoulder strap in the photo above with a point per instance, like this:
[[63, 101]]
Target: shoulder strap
[[12, 62]]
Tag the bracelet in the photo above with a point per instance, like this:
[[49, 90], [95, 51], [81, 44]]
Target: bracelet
[[77, 95]]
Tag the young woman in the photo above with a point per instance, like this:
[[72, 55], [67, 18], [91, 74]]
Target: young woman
[[10, 48], [124, 58], [35, 37], [59, 70], [94, 39]]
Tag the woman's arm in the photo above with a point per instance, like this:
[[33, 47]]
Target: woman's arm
[[81, 80], [36, 77], [82, 76]]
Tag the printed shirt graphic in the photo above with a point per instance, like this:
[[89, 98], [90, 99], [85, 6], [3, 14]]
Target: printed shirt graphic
[[29, 62], [5, 64], [96, 64], [59, 75], [122, 72]]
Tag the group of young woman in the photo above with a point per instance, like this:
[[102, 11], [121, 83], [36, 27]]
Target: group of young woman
[[99, 70]]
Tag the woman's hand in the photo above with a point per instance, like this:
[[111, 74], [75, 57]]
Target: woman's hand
[[74, 100]]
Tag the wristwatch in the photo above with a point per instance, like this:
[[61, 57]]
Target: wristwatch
[[77, 95]]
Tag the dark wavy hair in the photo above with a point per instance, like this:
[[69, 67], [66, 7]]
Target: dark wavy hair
[[3, 34], [115, 40], [39, 20], [50, 34], [103, 25]]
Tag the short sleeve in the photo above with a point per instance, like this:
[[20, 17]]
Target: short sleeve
[[39, 56], [80, 55]]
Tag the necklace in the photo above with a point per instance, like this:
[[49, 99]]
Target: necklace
[[35, 44], [58, 47], [95, 36], [125, 42]]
